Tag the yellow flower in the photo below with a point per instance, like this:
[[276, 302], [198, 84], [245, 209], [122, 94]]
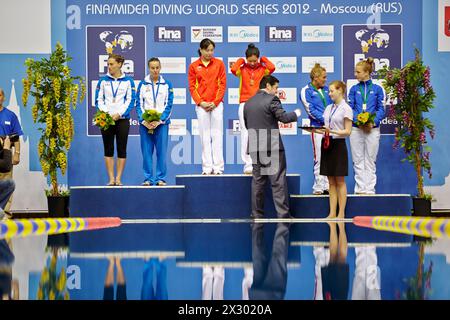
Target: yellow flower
[[83, 90], [363, 117], [45, 167], [61, 158], [41, 147], [75, 89], [56, 88], [52, 144], [61, 283], [51, 296], [40, 294], [34, 112], [49, 123], [44, 276], [66, 71], [45, 102]]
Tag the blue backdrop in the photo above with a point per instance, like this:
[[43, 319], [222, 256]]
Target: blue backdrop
[[182, 24]]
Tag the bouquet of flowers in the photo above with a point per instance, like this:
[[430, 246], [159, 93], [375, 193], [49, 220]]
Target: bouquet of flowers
[[365, 118], [150, 116], [103, 120]]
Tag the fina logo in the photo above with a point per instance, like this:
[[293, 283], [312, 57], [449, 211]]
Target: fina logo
[[281, 34], [170, 34]]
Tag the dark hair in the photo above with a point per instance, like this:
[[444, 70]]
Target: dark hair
[[153, 59], [252, 50], [268, 80], [117, 57], [204, 44]]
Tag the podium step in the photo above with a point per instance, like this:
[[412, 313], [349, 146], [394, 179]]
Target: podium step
[[127, 202], [226, 196], [317, 206]]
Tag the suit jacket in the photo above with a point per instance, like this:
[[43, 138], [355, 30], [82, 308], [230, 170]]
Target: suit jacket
[[262, 113]]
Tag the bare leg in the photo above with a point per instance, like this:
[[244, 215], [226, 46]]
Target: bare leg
[[120, 274], [109, 162], [120, 167], [109, 280], [333, 242], [343, 246], [342, 196], [333, 197]]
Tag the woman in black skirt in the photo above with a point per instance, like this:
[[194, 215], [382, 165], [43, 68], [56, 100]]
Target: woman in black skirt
[[334, 161]]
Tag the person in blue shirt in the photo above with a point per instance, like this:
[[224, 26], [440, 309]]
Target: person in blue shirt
[[315, 98], [154, 93], [366, 96], [115, 94], [9, 126]]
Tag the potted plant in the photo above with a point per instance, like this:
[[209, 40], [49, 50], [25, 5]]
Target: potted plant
[[55, 90], [411, 88]]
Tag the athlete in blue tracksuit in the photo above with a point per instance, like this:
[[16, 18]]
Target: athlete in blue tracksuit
[[154, 92], [366, 96], [315, 98]]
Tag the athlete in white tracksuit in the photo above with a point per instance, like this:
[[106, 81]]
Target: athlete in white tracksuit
[[365, 141]]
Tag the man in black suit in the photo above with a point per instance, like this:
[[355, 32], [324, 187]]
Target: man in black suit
[[262, 113]]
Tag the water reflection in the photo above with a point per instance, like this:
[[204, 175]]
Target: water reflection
[[269, 266], [225, 261]]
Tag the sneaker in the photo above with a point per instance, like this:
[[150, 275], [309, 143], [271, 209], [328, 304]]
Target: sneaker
[[161, 183], [204, 173], [218, 173], [318, 193], [146, 183], [248, 172]]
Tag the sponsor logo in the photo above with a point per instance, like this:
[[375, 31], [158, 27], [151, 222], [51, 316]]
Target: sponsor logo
[[281, 34], [243, 34], [173, 65], [384, 44], [317, 33], [288, 95], [234, 127], [178, 127], [129, 41], [309, 62], [170, 34], [233, 95], [179, 96], [212, 32], [284, 64], [288, 129]]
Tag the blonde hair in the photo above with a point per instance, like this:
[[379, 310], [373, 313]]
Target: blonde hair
[[339, 85], [367, 65], [317, 71]]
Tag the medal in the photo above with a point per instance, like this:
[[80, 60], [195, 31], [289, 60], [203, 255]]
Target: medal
[[114, 93], [155, 95], [365, 96]]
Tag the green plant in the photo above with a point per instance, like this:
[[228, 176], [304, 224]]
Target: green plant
[[411, 87], [52, 286], [55, 90]]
